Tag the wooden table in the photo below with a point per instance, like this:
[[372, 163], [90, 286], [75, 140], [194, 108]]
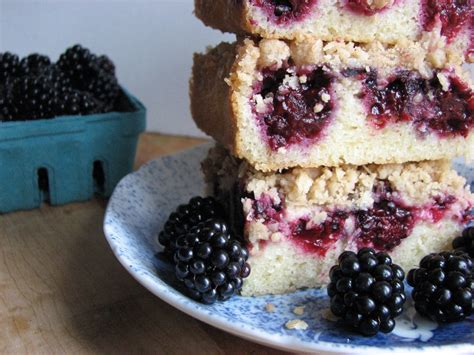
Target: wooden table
[[63, 291]]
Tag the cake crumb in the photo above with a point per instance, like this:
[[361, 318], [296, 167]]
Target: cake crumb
[[379, 4], [444, 81], [299, 310], [328, 315], [270, 308], [297, 324], [273, 53], [276, 237]]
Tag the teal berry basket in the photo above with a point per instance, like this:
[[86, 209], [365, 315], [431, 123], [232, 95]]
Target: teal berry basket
[[69, 158]]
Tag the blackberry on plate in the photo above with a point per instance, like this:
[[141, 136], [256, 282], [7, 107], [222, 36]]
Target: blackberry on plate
[[465, 242], [198, 209], [210, 262], [443, 286], [367, 291]]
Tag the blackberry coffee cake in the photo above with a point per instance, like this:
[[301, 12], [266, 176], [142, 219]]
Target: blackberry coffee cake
[[309, 104], [446, 24], [296, 222], [335, 122]]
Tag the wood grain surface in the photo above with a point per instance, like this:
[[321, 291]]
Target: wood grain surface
[[63, 291]]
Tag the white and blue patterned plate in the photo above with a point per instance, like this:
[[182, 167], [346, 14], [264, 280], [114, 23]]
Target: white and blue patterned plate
[[136, 213]]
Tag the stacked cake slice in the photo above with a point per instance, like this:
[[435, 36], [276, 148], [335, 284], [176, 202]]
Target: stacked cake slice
[[332, 139]]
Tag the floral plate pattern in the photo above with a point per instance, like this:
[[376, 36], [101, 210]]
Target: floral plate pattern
[[136, 213]]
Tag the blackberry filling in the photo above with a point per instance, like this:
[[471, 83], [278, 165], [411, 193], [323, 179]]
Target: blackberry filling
[[319, 239], [438, 209], [453, 14], [284, 12], [382, 227], [301, 105], [365, 7], [265, 209], [385, 225], [424, 102]]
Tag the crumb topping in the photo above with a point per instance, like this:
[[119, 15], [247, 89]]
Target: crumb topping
[[273, 53], [423, 56], [343, 186]]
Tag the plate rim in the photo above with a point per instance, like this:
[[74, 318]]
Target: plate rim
[[282, 342]]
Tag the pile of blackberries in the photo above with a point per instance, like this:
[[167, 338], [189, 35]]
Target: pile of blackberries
[[79, 83], [367, 291], [209, 261]]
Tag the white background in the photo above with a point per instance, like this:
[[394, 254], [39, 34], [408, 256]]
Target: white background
[[150, 41]]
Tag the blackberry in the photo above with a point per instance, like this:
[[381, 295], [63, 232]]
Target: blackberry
[[34, 64], [197, 210], [210, 262], [465, 242], [79, 64], [443, 286], [106, 65], [31, 97], [8, 111], [90, 73], [74, 102], [59, 80], [9, 65], [367, 291], [105, 88]]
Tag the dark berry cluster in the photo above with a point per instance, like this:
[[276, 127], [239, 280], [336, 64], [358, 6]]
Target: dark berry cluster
[[442, 286], [209, 261], [79, 83], [179, 223], [465, 242], [367, 291]]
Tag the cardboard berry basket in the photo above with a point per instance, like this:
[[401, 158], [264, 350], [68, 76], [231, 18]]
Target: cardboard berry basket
[[67, 158]]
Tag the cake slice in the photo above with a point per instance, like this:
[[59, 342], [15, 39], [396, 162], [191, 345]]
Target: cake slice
[[447, 24], [298, 221], [310, 103]]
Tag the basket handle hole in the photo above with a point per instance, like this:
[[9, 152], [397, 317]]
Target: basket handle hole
[[98, 176], [43, 184]]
